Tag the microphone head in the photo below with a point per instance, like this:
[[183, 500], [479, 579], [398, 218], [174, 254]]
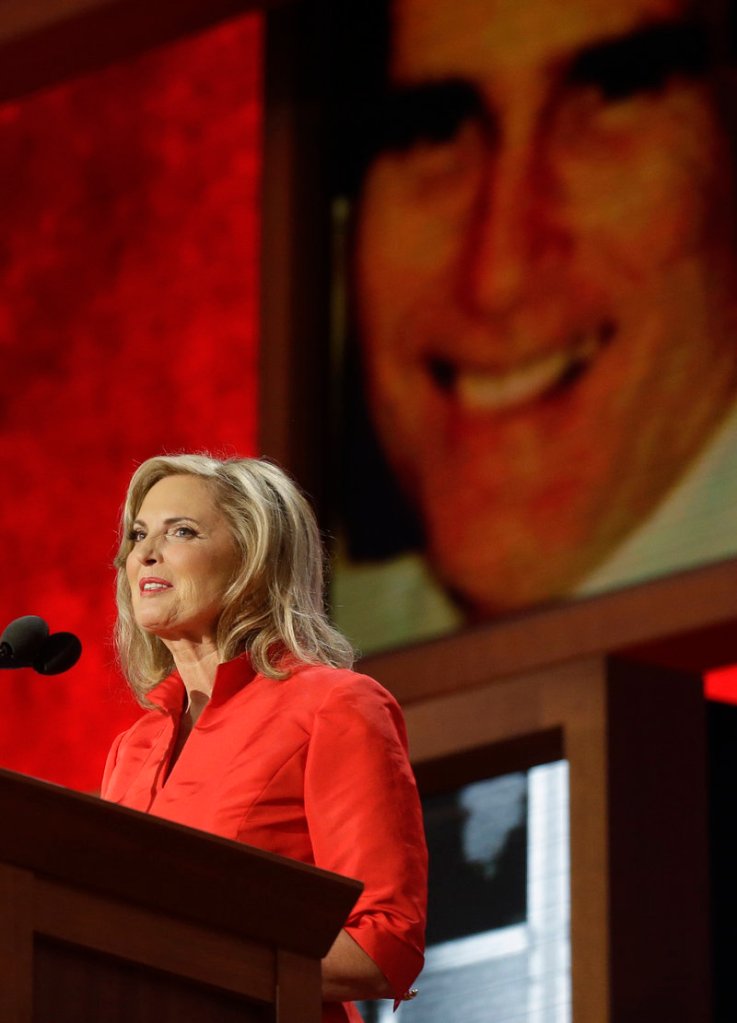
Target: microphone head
[[24, 637], [60, 652]]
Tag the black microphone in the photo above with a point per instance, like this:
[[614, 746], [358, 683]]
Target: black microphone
[[22, 640], [60, 652], [26, 643]]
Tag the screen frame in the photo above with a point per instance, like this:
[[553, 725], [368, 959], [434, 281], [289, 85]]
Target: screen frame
[[300, 397], [634, 738]]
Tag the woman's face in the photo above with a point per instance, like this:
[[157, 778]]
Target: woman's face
[[182, 561]]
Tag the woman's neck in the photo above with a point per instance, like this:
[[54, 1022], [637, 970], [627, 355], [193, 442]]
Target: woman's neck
[[197, 666]]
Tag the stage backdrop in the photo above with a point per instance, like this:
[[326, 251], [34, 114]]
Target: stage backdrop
[[128, 312]]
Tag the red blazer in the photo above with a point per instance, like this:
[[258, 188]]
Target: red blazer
[[314, 767]]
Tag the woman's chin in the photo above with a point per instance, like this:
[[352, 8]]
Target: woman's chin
[[154, 627]]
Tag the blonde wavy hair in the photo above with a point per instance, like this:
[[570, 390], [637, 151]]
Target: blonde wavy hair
[[274, 606]]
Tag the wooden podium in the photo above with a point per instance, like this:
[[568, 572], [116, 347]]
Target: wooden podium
[[110, 916]]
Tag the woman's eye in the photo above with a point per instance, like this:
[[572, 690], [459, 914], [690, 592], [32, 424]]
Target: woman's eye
[[182, 533]]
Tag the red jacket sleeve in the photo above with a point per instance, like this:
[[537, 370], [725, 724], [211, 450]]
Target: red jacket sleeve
[[365, 822]]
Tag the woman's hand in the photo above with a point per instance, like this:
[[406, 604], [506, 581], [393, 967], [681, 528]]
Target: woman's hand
[[349, 974]]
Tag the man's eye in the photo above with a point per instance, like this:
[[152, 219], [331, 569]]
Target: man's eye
[[432, 114], [642, 62]]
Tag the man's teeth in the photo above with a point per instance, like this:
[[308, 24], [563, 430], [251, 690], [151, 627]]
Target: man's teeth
[[488, 391]]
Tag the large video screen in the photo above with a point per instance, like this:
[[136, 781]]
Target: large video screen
[[499, 904], [534, 220]]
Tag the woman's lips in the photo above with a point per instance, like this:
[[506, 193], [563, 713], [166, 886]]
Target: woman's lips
[[484, 390], [152, 585]]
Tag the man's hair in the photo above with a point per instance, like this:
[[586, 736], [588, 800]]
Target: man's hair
[[273, 608], [360, 41]]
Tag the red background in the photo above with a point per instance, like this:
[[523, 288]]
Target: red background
[[128, 320], [722, 685]]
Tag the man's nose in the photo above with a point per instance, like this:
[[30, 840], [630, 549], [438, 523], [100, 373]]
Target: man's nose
[[514, 230]]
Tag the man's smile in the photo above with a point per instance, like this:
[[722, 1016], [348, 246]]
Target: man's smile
[[493, 390]]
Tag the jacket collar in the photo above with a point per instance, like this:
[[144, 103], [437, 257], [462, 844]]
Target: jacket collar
[[230, 678]]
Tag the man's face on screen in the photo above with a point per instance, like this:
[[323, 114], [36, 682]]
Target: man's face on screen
[[544, 273]]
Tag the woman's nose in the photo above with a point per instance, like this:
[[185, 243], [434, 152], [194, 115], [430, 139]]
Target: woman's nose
[[149, 550]]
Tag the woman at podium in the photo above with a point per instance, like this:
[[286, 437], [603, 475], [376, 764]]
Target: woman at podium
[[256, 728]]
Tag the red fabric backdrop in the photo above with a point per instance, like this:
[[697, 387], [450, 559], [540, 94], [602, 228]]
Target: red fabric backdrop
[[128, 318]]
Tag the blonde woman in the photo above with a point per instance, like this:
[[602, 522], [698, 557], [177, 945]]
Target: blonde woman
[[256, 727]]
